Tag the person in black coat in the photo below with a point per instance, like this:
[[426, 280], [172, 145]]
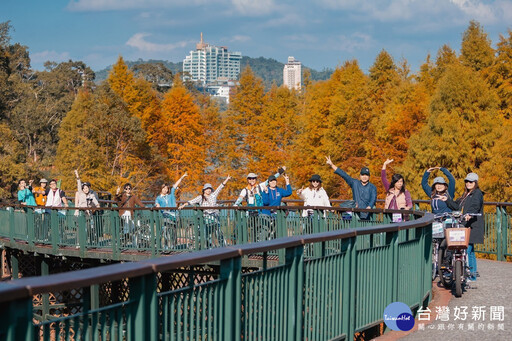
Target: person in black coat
[[472, 201]]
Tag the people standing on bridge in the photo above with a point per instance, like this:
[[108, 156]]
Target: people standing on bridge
[[313, 195], [55, 197], [39, 192], [208, 198], [84, 196], [167, 197], [397, 197], [440, 190], [272, 196], [25, 196], [252, 192], [364, 193], [126, 201], [471, 201]]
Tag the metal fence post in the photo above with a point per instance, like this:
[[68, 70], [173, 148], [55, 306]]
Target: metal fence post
[[231, 272], [498, 226], [30, 226], [54, 226], [144, 308], [16, 317]]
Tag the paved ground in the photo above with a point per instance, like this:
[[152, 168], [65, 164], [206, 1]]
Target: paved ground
[[493, 292]]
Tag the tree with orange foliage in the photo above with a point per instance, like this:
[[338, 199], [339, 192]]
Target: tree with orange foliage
[[183, 129], [241, 123]]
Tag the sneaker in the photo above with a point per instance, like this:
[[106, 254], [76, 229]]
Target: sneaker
[[471, 284]]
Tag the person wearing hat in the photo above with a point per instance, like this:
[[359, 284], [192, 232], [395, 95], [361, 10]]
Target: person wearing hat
[[273, 195], [208, 197], [252, 193], [364, 193], [39, 192], [314, 195], [440, 190], [471, 201]]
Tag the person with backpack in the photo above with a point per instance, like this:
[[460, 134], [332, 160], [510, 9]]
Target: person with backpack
[[252, 192]]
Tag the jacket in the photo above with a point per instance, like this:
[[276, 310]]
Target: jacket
[[127, 201], [438, 205], [364, 195], [402, 200], [313, 197], [273, 197], [472, 203]]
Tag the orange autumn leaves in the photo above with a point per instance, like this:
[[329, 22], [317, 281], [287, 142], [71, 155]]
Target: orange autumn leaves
[[453, 113]]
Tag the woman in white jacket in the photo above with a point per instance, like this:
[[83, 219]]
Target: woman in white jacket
[[314, 195]]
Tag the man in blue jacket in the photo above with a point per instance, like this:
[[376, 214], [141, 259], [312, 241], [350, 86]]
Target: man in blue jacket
[[273, 195], [364, 193]]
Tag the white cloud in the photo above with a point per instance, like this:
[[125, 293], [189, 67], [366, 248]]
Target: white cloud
[[54, 56], [112, 5], [240, 39], [421, 10], [254, 7], [355, 42], [139, 42]]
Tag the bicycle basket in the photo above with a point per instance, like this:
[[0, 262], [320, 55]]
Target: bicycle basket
[[457, 238]]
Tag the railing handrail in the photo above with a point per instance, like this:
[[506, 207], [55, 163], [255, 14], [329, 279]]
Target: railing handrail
[[27, 287]]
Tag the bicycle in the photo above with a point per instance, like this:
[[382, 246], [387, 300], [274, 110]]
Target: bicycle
[[452, 260], [437, 238]]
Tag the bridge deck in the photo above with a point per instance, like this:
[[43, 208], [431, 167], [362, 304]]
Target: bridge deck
[[493, 289]]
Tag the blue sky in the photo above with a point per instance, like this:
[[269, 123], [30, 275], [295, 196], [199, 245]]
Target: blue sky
[[321, 33]]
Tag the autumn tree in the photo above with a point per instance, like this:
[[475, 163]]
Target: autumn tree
[[500, 74], [240, 123], [105, 142], [11, 160], [183, 127], [461, 127], [476, 51]]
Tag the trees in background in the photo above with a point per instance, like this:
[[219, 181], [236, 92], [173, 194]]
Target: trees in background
[[455, 112]]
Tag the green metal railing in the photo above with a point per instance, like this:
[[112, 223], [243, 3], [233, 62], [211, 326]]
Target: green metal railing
[[351, 275], [104, 234]]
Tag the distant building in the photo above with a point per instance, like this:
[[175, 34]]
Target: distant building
[[210, 64], [221, 89], [292, 74]]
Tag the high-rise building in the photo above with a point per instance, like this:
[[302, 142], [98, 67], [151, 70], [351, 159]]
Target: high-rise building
[[292, 74], [210, 64]]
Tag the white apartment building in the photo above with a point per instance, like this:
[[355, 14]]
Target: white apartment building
[[209, 64], [292, 74]]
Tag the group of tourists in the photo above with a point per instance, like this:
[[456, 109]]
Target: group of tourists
[[267, 193]]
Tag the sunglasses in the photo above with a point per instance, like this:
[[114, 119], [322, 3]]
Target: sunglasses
[[251, 178], [315, 181], [466, 181]]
